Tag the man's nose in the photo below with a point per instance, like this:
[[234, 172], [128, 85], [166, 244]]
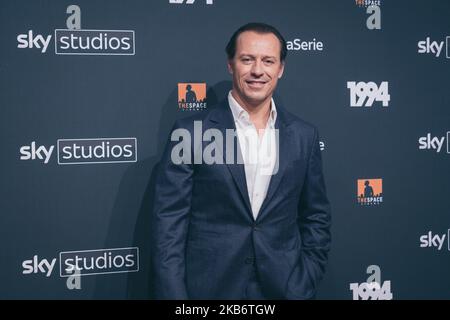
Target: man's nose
[[257, 69]]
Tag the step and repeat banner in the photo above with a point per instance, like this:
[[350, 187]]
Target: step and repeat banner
[[90, 89]]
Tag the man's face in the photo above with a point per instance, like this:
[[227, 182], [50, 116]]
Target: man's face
[[256, 67]]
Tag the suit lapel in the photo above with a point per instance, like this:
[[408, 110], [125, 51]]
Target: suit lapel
[[223, 118], [285, 148]]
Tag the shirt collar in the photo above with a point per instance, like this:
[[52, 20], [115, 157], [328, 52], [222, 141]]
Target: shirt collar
[[240, 113]]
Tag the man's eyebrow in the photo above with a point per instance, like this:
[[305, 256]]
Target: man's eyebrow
[[252, 56], [246, 55]]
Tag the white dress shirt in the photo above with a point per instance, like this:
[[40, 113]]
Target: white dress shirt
[[258, 153]]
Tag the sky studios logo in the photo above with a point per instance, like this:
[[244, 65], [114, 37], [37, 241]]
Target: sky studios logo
[[434, 48], [435, 241], [83, 151], [433, 143], [77, 41], [370, 192], [86, 262], [191, 96]]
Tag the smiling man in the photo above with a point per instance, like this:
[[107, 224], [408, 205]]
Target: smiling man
[[252, 229]]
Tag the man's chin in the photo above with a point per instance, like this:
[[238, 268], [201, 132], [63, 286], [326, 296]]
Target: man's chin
[[256, 99]]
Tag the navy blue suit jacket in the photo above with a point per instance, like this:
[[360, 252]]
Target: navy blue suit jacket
[[205, 239]]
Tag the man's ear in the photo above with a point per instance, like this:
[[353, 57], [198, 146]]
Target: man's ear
[[280, 73], [230, 66]]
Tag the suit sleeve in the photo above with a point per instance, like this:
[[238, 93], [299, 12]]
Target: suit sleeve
[[170, 220], [314, 221]]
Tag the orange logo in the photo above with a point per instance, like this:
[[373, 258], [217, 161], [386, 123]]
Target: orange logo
[[367, 3], [370, 191], [191, 96]]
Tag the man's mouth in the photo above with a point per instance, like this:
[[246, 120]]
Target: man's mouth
[[255, 83]]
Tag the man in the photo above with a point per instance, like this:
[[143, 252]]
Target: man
[[231, 230]]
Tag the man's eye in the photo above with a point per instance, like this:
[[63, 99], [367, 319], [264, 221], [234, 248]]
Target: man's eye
[[245, 59], [270, 62]]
